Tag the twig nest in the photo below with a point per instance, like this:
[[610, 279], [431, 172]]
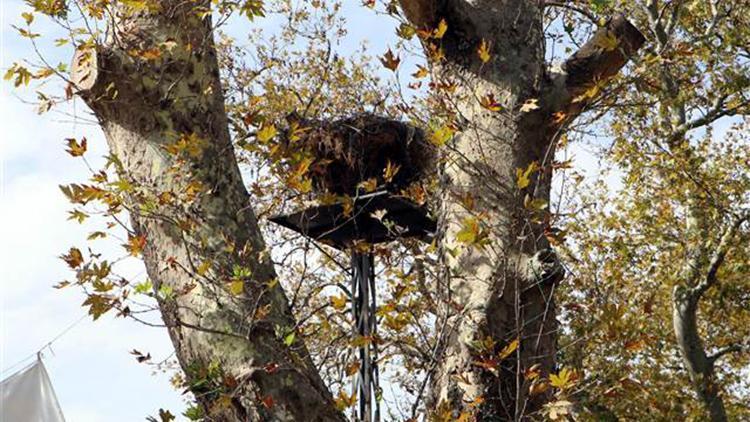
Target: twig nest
[[363, 150]]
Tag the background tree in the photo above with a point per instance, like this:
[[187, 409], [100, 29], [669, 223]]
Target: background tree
[[472, 317]]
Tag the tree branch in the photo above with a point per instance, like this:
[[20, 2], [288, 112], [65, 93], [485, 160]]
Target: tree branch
[[718, 256], [590, 16], [716, 112], [601, 58], [732, 348], [421, 13]]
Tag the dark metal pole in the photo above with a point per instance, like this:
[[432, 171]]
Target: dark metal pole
[[364, 306]]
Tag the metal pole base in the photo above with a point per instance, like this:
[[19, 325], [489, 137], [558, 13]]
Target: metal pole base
[[364, 307]]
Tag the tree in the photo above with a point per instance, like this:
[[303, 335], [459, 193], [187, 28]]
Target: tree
[[496, 111], [676, 220]]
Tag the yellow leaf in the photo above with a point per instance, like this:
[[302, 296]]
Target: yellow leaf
[[204, 267], [469, 232], [563, 379], [236, 287], [135, 244], [484, 51], [369, 185], [509, 349], [344, 401], [28, 17], [339, 302], [606, 40], [406, 31], [441, 135], [266, 133], [390, 171], [440, 30], [592, 92], [523, 177], [420, 73]]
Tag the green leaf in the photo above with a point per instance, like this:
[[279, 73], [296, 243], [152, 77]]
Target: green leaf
[[289, 338]]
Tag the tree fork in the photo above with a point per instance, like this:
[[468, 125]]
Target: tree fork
[[492, 290]]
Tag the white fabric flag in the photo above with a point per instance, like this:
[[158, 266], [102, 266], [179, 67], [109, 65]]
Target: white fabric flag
[[27, 396]]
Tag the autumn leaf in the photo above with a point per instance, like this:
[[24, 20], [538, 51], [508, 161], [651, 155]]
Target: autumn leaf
[[345, 401], [135, 244], [441, 135], [266, 133], [98, 305], [390, 171], [469, 233], [530, 105], [236, 287], [73, 258], [406, 31], [390, 61], [76, 149], [352, 368], [509, 349], [523, 177], [421, 72], [440, 30], [484, 51], [369, 185], [606, 40], [489, 102], [339, 302], [564, 379]]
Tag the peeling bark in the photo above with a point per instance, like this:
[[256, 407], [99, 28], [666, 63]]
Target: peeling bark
[[145, 105], [505, 290]]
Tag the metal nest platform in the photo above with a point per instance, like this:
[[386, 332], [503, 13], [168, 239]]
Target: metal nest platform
[[376, 217], [373, 218]]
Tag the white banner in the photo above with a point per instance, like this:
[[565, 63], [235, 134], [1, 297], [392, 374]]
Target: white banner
[[27, 396]]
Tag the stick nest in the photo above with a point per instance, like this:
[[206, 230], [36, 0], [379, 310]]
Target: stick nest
[[353, 151]]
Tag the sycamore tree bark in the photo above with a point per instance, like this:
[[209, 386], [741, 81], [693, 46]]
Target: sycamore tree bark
[[501, 285], [155, 89]]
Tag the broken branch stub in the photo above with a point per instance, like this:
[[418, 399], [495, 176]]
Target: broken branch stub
[[602, 56], [84, 70]]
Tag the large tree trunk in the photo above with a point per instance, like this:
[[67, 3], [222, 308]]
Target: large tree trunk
[[156, 91], [155, 88], [501, 288]]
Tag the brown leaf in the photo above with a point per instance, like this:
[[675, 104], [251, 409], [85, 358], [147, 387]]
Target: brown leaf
[[73, 258], [74, 148], [390, 61]]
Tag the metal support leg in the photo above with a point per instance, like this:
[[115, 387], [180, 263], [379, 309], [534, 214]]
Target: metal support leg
[[364, 307]]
